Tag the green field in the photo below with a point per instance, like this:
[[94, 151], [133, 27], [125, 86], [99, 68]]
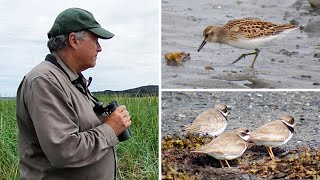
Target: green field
[[137, 158]]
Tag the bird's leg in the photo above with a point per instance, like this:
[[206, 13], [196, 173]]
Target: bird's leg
[[255, 57], [227, 163], [268, 151], [244, 55], [271, 152], [221, 163]]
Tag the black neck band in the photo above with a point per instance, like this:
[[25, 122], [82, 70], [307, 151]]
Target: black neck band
[[84, 91]]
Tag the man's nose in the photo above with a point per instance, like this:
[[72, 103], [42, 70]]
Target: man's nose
[[99, 49]]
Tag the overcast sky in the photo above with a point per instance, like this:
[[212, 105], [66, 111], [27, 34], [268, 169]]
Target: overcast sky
[[130, 59]]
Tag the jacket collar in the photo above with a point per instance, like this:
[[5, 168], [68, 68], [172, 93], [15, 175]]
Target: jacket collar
[[73, 75]]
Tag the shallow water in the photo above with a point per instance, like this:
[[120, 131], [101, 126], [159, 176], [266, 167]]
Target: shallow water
[[290, 62]]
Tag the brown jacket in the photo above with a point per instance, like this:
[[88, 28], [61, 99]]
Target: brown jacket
[[60, 136]]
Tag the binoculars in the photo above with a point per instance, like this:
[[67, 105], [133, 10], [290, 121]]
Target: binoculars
[[99, 108]]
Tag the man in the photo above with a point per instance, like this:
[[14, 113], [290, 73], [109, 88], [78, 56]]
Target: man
[[60, 135]]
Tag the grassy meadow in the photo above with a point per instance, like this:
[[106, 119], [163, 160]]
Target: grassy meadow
[[137, 158]]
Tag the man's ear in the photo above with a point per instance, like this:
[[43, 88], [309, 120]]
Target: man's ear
[[73, 41]]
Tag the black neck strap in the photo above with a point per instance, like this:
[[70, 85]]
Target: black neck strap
[[54, 61], [289, 127]]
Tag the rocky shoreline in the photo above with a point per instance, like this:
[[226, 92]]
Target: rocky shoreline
[[247, 109]]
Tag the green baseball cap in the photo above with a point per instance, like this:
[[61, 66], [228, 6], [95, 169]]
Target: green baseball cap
[[76, 19]]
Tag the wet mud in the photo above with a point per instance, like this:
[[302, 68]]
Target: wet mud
[[289, 62]]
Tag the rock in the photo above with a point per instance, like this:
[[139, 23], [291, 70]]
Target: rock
[[209, 67], [294, 22], [288, 53], [313, 27], [317, 55], [306, 76], [314, 3]]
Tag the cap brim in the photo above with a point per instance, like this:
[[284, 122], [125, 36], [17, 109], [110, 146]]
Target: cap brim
[[101, 33]]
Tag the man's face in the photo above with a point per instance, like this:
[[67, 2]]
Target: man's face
[[87, 51]]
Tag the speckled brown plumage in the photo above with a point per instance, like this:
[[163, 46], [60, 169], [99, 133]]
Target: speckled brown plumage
[[253, 28], [247, 33]]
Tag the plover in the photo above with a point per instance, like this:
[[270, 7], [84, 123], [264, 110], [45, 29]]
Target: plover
[[247, 33], [274, 133], [212, 121], [227, 146]]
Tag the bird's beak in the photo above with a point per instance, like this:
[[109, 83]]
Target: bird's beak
[[202, 44]]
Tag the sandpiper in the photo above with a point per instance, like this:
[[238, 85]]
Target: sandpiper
[[274, 133], [247, 33], [314, 3], [212, 121], [227, 146]]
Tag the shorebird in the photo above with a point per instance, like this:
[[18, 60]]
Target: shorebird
[[274, 133], [227, 146], [314, 3], [212, 121], [247, 33]]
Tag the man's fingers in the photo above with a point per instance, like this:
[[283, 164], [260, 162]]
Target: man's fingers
[[125, 114], [128, 123], [121, 108]]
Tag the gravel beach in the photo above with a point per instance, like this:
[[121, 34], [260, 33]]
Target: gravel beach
[[247, 109]]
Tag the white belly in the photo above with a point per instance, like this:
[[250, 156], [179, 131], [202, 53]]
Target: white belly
[[220, 131], [251, 43], [274, 143], [227, 156]]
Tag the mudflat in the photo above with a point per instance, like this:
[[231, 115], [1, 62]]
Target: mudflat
[[292, 61]]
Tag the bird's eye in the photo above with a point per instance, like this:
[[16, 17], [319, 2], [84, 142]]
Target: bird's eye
[[206, 36]]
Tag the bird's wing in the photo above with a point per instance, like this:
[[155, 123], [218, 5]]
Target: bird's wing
[[254, 28], [210, 116], [271, 131], [209, 120], [227, 143]]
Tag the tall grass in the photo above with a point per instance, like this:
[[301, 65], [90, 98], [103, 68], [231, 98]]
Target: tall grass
[[137, 158], [8, 140]]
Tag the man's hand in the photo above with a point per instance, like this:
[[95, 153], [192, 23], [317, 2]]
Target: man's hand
[[119, 119]]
